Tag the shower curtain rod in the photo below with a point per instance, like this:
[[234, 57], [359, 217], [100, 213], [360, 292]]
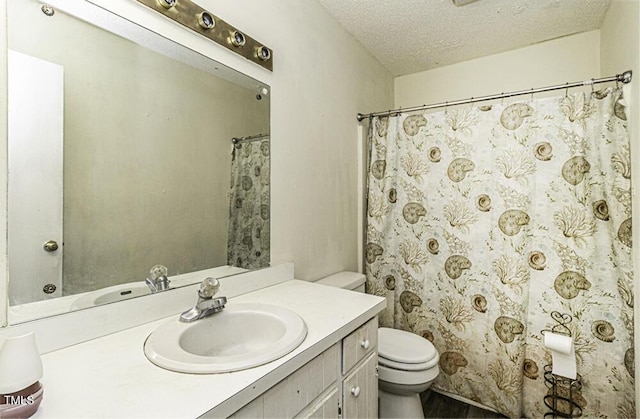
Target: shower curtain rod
[[623, 77], [250, 138]]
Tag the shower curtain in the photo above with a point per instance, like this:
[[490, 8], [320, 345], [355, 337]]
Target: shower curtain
[[482, 221], [249, 206]]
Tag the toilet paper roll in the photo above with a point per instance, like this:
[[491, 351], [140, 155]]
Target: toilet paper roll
[[563, 355]]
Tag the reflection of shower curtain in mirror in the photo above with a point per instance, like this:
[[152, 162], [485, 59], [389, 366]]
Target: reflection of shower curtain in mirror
[[249, 206], [482, 221]]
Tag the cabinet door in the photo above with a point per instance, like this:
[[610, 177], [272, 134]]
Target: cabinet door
[[360, 390], [325, 408]]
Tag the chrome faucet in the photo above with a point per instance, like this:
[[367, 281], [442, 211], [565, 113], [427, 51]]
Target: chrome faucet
[[206, 305], [157, 280]]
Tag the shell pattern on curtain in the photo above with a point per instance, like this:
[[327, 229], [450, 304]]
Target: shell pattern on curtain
[[484, 220], [249, 206]]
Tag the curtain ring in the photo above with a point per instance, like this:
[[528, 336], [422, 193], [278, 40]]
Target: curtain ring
[[446, 108], [593, 89], [471, 103], [566, 90], [502, 99], [531, 99]]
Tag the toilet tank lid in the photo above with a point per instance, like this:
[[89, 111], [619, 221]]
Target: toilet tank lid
[[346, 280]]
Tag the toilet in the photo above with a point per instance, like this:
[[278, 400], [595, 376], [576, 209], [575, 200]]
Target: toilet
[[407, 363]]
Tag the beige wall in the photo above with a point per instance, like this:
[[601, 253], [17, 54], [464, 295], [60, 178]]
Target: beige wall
[[147, 152], [620, 51], [567, 59]]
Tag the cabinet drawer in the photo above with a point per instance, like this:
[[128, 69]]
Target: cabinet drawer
[[358, 344]]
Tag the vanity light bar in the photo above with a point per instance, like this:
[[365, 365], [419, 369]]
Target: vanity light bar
[[194, 17]]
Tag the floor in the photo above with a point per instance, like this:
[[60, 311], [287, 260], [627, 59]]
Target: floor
[[436, 405]]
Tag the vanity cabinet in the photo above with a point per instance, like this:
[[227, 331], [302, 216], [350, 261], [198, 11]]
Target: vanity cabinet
[[340, 382]]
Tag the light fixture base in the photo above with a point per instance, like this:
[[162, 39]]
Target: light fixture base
[[190, 15]]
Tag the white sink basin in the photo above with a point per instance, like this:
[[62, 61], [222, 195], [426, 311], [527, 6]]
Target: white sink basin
[[111, 294], [241, 336]]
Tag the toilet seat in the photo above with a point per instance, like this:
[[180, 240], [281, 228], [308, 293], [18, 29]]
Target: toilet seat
[[397, 347], [408, 367]]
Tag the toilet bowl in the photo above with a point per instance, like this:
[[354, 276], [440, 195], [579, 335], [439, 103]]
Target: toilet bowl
[[407, 363]]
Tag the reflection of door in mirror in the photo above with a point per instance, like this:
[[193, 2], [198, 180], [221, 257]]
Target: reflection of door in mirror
[[35, 96]]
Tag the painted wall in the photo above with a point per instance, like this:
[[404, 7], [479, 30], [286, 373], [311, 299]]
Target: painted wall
[[147, 153], [567, 59], [620, 51]]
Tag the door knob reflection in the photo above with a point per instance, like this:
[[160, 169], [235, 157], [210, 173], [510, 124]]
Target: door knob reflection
[[51, 246]]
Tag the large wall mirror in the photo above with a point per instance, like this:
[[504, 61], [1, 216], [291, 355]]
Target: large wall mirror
[[121, 158]]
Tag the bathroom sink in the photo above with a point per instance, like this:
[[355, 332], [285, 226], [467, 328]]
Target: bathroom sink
[[241, 336], [111, 294]]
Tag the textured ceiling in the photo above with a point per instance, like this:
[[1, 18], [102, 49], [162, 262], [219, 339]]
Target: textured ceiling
[[409, 36]]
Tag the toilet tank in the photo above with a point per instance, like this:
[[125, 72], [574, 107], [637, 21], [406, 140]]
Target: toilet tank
[[348, 280]]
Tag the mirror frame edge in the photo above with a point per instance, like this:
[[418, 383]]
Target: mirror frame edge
[[4, 277], [149, 21]]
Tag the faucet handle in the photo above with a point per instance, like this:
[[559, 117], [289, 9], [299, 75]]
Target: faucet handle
[[157, 271], [209, 287]]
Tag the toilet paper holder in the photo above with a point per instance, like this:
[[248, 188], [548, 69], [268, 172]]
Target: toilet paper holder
[[562, 320], [564, 396]]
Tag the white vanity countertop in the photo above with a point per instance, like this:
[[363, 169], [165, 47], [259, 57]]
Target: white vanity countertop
[[111, 377]]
